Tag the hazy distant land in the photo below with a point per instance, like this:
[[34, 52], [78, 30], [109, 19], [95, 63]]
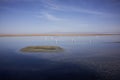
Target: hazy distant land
[[17, 35]]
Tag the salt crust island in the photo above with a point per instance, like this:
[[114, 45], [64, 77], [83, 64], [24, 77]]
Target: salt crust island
[[42, 49]]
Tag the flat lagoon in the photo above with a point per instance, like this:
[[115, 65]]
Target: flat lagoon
[[83, 58]]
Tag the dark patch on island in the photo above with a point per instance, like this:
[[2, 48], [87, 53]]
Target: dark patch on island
[[42, 49]]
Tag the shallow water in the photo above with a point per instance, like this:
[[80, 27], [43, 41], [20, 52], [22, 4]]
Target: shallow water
[[86, 58]]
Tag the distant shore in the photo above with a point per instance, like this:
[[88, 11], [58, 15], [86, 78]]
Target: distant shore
[[20, 35]]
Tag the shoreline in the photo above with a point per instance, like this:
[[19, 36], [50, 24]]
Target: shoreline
[[22, 35]]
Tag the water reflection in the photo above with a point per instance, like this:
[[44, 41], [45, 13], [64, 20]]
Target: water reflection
[[29, 68]]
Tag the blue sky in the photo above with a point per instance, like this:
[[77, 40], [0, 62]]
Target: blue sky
[[46, 16]]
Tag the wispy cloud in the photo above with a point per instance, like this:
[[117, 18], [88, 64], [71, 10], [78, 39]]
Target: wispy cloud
[[53, 5], [88, 11], [49, 16]]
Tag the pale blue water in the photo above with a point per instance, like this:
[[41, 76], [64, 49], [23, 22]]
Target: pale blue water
[[86, 58]]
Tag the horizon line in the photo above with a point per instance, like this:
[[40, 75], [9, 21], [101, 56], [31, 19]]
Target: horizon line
[[59, 34]]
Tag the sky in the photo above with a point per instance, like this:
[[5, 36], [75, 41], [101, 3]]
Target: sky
[[57, 16]]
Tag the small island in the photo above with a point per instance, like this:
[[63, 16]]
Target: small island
[[42, 49]]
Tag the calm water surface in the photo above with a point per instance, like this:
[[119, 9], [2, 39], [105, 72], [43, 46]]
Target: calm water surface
[[84, 58]]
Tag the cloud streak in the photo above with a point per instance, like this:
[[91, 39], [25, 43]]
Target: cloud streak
[[53, 5], [49, 16]]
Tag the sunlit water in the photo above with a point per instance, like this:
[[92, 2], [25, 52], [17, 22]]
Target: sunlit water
[[83, 58]]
